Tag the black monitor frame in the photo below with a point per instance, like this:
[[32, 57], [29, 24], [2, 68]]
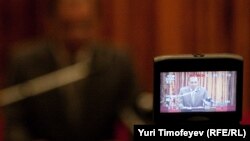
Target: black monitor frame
[[193, 63]]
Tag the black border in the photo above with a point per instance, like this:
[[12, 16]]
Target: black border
[[198, 63]]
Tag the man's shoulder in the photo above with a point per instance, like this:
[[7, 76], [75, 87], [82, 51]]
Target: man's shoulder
[[106, 51], [202, 88], [185, 89], [28, 49], [108, 56], [30, 56], [107, 48]]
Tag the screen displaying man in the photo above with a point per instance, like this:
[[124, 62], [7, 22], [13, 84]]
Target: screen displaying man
[[198, 91], [193, 96]]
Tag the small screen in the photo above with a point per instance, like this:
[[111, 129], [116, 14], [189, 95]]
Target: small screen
[[201, 91]]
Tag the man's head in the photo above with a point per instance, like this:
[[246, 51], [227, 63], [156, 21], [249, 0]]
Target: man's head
[[72, 21], [193, 82]]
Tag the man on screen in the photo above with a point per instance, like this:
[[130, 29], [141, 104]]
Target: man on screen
[[193, 96]]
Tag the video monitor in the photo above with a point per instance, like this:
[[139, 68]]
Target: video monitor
[[191, 88]]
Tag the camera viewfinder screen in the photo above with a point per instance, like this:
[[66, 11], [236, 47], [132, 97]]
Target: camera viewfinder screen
[[203, 91]]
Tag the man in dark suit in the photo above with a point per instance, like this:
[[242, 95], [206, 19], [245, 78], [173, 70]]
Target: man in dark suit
[[193, 96], [86, 109]]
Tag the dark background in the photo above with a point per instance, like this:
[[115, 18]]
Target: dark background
[[149, 28]]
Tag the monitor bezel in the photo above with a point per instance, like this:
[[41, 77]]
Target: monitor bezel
[[193, 63]]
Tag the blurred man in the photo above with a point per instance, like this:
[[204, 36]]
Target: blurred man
[[193, 96], [83, 110]]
